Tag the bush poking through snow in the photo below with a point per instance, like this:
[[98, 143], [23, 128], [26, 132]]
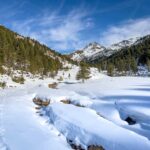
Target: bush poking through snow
[[79, 105], [79, 147], [61, 78], [2, 85], [2, 70], [83, 73], [38, 108], [53, 85], [66, 101], [18, 79], [41, 102], [93, 147], [74, 146]]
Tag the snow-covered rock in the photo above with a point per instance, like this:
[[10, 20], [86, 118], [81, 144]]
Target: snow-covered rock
[[85, 127]]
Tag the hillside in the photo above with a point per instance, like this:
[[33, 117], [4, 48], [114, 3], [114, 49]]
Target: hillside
[[94, 51], [127, 58], [123, 57], [91, 49], [25, 54]]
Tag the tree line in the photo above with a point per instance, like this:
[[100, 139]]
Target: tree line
[[23, 53], [127, 59]]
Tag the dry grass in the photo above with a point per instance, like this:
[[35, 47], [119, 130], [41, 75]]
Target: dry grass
[[40, 102], [66, 101], [53, 85], [95, 147]]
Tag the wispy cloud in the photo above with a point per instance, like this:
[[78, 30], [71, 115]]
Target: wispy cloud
[[59, 31], [8, 11], [126, 30], [71, 29]]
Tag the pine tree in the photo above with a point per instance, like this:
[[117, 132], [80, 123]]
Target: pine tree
[[25, 54], [148, 64], [110, 69], [133, 65], [83, 73]]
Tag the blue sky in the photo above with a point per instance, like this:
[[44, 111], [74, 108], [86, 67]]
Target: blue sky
[[67, 25]]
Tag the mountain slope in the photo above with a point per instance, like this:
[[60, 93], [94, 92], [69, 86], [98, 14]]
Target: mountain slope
[[126, 55], [89, 50], [127, 58], [22, 53], [95, 51]]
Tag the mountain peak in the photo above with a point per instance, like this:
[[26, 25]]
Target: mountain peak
[[88, 51], [124, 43], [93, 46]]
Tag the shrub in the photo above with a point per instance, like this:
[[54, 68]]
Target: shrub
[[3, 84], [93, 147], [60, 79], [18, 79], [2, 70], [41, 102], [53, 85], [66, 101], [79, 105]]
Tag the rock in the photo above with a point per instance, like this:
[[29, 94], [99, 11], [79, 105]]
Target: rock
[[130, 121]]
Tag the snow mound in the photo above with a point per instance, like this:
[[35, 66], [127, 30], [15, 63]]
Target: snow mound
[[85, 127]]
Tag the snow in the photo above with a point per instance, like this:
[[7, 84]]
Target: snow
[[86, 126], [95, 51], [124, 43], [90, 50], [23, 129], [95, 116]]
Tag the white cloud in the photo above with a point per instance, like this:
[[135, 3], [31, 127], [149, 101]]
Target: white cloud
[[126, 30], [58, 31]]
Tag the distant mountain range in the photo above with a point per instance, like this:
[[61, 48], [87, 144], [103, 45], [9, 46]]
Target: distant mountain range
[[123, 58], [95, 50]]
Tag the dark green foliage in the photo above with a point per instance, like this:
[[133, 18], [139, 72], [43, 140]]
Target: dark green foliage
[[110, 69], [18, 79], [2, 70], [60, 78], [25, 54], [3, 84], [127, 59], [84, 72]]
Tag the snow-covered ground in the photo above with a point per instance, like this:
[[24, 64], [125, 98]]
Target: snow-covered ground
[[95, 115]]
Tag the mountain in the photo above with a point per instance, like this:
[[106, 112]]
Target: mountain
[[25, 54], [88, 51], [125, 56], [127, 60], [95, 51], [124, 43]]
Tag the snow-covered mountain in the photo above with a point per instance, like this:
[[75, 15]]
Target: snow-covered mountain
[[94, 50], [124, 43], [88, 51]]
